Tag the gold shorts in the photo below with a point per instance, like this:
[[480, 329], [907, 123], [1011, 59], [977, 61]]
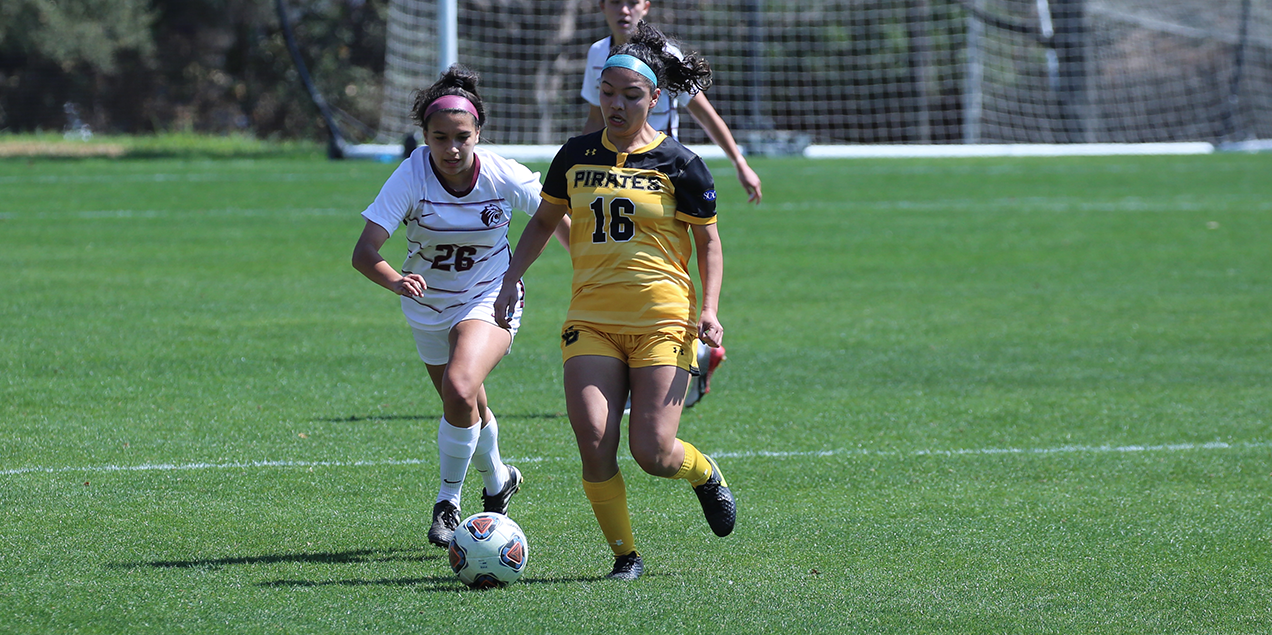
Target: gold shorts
[[660, 348]]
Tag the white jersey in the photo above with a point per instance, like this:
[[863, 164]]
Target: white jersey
[[663, 118], [458, 241]]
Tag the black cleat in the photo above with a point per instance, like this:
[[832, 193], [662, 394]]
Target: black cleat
[[717, 502], [627, 567], [498, 503], [445, 520]]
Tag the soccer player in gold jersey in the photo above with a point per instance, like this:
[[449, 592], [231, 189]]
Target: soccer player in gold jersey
[[640, 203], [623, 18]]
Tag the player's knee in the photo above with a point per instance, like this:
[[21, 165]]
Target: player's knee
[[654, 458], [457, 390]]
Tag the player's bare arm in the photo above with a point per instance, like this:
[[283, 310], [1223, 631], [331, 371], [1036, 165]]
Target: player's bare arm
[[706, 240], [547, 221], [562, 233], [367, 259], [705, 114]]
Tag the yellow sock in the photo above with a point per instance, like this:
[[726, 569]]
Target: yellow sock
[[696, 468], [609, 503]]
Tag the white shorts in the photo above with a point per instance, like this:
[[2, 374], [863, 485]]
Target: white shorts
[[433, 344]]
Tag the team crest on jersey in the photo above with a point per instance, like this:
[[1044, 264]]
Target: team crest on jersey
[[708, 195], [491, 215]]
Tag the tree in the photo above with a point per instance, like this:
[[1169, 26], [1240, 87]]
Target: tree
[[213, 66], [51, 49]]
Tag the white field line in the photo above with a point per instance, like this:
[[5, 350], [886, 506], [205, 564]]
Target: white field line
[[1058, 204], [547, 152], [1005, 150], [758, 454], [1064, 449]]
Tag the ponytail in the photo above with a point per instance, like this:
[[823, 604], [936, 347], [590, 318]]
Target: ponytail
[[649, 45]]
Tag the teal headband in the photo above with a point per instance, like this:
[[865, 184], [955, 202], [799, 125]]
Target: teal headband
[[632, 64]]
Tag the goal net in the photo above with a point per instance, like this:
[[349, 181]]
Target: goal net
[[878, 71]]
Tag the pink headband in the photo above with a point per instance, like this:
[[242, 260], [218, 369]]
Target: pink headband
[[452, 102]]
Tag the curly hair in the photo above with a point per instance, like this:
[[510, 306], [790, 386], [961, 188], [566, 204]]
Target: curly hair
[[457, 80], [649, 45]]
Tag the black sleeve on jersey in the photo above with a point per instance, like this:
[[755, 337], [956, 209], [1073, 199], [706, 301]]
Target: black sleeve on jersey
[[695, 190], [555, 184], [581, 150]]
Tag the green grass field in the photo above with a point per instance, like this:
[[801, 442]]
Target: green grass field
[[962, 396]]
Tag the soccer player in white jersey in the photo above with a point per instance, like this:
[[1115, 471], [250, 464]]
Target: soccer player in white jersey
[[624, 18], [454, 201]]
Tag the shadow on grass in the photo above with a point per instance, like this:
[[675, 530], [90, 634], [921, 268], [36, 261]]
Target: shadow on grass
[[435, 583], [433, 418], [361, 556], [360, 418], [427, 583]]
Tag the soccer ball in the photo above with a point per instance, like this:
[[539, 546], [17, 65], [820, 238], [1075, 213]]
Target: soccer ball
[[488, 551]]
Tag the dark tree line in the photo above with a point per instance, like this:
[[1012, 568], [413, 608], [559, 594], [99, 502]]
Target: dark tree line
[[214, 66], [856, 71]]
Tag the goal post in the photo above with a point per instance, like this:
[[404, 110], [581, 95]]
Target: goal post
[[873, 72]]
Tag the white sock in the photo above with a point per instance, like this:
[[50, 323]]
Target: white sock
[[487, 460], [455, 448]]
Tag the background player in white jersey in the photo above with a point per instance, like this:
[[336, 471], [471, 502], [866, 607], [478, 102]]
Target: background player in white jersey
[[623, 18], [455, 201]]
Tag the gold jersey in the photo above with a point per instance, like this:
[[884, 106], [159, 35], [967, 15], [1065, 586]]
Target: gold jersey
[[630, 241]]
